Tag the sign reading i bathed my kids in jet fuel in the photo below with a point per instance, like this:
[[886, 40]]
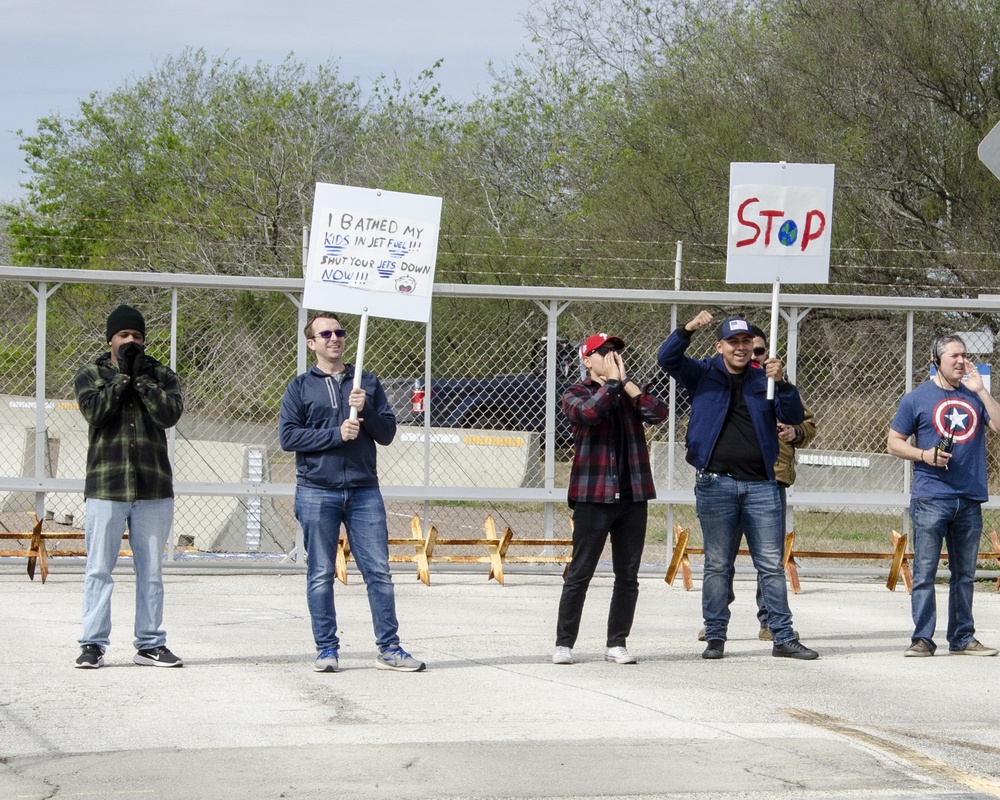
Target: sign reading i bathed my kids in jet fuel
[[372, 251], [780, 219]]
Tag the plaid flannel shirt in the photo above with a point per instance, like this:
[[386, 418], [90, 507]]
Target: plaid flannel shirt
[[127, 455], [590, 408]]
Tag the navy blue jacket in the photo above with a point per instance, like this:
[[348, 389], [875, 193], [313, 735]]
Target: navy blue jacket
[[312, 409], [707, 385]]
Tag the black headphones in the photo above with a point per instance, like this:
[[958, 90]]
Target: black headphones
[[935, 355], [939, 345]]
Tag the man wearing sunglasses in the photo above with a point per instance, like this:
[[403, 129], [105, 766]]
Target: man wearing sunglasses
[[610, 485], [732, 442], [337, 482]]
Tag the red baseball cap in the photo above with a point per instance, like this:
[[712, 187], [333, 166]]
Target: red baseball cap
[[598, 339]]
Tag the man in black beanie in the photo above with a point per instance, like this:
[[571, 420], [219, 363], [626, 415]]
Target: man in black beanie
[[129, 400]]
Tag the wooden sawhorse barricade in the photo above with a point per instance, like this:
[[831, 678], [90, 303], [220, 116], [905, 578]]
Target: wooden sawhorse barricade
[[898, 557], [679, 559], [39, 553], [425, 550]]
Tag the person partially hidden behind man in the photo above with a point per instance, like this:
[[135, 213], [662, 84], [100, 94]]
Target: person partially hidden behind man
[[947, 416], [732, 442], [129, 399]]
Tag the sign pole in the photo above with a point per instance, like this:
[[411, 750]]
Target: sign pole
[[774, 333], [360, 361]]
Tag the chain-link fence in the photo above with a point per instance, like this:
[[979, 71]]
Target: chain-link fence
[[476, 396]]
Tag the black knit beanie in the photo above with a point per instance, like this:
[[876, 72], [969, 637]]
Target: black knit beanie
[[125, 318]]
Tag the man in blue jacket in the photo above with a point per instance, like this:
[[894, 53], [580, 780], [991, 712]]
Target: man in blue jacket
[[732, 442], [337, 482]]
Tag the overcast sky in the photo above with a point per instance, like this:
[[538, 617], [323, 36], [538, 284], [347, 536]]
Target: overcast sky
[[54, 53]]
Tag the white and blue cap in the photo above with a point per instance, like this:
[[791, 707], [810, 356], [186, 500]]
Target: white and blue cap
[[736, 326]]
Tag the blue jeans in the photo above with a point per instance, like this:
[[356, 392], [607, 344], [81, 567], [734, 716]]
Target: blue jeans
[[958, 522], [592, 524], [149, 523], [761, 608], [728, 508], [320, 512]]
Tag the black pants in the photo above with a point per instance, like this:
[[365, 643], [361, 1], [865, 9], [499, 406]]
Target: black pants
[[592, 523]]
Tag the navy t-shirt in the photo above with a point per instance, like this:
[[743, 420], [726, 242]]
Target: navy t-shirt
[[931, 412]]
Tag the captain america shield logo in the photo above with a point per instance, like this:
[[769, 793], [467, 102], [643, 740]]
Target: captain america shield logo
[[956, 417]]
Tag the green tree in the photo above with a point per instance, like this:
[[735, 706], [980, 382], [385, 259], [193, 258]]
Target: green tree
[[203, 166], [896, 94]]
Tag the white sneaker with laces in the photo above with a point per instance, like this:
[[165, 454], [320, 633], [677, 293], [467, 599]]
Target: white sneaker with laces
[[620, 656], [563, 655]]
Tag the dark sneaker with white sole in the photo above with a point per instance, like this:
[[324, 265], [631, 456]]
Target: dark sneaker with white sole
[[90, 657], [157, 657]]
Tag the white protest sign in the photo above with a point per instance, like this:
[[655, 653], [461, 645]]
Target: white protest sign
[[780, 219], [372, 251]]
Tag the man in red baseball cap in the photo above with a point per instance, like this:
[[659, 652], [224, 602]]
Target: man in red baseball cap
[[609, 486]]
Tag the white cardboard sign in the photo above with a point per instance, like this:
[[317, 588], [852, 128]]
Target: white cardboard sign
[[780, 218], [372, 251]]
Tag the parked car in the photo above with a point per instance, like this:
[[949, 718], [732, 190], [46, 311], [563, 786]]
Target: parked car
[[507, 402]]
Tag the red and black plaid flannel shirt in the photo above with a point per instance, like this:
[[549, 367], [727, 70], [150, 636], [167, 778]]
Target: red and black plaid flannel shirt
[[590, 408]]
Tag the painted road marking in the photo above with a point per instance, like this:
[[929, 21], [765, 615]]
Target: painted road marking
[[902, 752]]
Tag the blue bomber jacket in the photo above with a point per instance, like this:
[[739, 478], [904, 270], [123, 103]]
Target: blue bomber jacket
[[707, 385], [312, 410]]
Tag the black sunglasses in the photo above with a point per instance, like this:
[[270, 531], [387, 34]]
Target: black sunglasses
[[604, 349], [759, 351], [340, 333]]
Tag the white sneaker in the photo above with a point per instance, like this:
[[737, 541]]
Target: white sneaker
[[620, 656], [563, 655]]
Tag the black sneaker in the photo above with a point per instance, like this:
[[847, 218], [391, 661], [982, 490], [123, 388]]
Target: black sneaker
[[716, 649], [157, 657], [90, 657], [794, 649]]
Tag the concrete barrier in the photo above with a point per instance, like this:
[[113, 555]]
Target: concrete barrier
[[463, 457], [208, 523], [839, 471], [659, 462], [830, 471], [229, 524], [65, 449]]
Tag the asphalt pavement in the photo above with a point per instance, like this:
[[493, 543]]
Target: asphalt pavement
[[491, 717]]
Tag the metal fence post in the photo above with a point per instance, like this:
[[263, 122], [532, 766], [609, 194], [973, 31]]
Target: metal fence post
[[42, 295]]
